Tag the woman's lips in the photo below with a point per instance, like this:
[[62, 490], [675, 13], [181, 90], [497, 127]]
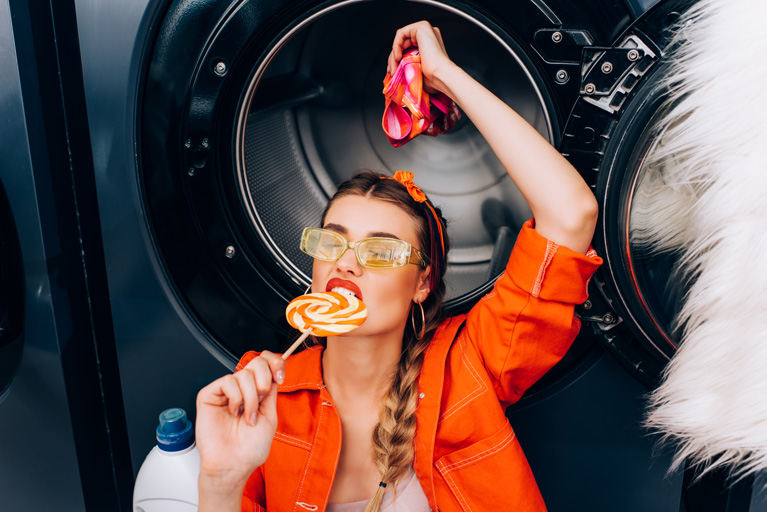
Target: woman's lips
[[342, 283]]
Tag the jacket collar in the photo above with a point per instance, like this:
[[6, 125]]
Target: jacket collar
[[303, 371]]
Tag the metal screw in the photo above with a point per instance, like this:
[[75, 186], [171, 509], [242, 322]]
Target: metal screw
[[562, 76], [607, 67], [230, 251], [188, 143], [590, 88], [556, 37], [220, 68], [633, 55], [608, 318], [587, 304], [205, 144], [191, 171]]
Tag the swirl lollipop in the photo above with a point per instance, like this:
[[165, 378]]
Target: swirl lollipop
[[324, 314]]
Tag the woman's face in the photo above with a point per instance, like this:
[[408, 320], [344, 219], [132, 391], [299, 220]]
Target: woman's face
[[387, 292]]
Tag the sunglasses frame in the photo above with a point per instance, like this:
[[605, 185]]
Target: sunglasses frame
[[414, 256]]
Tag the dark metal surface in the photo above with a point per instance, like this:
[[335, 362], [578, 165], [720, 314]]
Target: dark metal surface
[[36, 439], [67, 383]]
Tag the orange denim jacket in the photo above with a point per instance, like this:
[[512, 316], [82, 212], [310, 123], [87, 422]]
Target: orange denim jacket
[[466, 454]]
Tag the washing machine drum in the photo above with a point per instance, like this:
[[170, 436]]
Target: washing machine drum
[[253, 113]]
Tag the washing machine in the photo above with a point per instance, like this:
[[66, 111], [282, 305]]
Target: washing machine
[[63, 440], [220, 128]]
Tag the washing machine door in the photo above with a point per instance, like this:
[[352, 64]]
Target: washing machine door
[[610, 136], [245, 135]]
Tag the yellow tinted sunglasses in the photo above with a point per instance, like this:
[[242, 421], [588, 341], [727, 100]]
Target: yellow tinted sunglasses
[[373, 252]]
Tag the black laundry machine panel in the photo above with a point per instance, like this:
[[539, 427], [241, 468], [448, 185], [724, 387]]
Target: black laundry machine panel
[[36, 439], [59, 442], [35, 425], [219, 129]]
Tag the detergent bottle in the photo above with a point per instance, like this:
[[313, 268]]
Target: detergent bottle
[[167, 480]]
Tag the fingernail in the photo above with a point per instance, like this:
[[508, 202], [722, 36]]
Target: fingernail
[[280, 376], [252, 418]]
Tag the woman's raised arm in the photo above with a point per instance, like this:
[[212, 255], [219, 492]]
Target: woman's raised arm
[[564, 207]]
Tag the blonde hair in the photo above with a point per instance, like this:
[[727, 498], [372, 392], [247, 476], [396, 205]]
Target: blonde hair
[[393, 436]]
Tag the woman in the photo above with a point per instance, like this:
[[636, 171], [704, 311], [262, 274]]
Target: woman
[[408, 402]]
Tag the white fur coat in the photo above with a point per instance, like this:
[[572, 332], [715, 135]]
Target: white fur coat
[[712, 158]]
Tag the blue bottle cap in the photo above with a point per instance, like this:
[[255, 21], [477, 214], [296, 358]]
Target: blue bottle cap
[[175, 431]]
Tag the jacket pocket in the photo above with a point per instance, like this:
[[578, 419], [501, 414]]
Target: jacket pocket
[[491, 474]]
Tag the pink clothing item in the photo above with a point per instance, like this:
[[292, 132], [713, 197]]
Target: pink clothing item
[[410, 498], [410, 110]]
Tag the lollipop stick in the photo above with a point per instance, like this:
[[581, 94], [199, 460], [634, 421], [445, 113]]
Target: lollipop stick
[[295, 344]]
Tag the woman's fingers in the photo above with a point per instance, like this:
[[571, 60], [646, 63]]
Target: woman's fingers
[[268, 405], [229, 394], [400, 37], [256, 381], [429, 41], [262, 375], [212, 395], [404, 38], [276, 365], [241, 393], [246, 380]]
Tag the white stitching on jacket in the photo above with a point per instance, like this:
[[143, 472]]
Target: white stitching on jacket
[[478, 456], [464, 503], [551, 249], [293, 440], [470, 396], [309, 460]]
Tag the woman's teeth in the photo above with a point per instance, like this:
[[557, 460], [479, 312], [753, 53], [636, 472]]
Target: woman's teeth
[[343, 291]]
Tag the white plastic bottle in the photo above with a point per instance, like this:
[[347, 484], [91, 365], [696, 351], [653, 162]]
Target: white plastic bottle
[[167, 480]]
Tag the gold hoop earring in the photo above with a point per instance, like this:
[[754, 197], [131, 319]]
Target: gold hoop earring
[[423, 322], [308, 289]]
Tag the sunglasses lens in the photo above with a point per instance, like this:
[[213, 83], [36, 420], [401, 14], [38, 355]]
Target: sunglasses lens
[[381, 252], [327, 245], [322, 244]]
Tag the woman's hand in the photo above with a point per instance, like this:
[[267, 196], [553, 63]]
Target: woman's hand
[[434, 58], [236, 421]]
